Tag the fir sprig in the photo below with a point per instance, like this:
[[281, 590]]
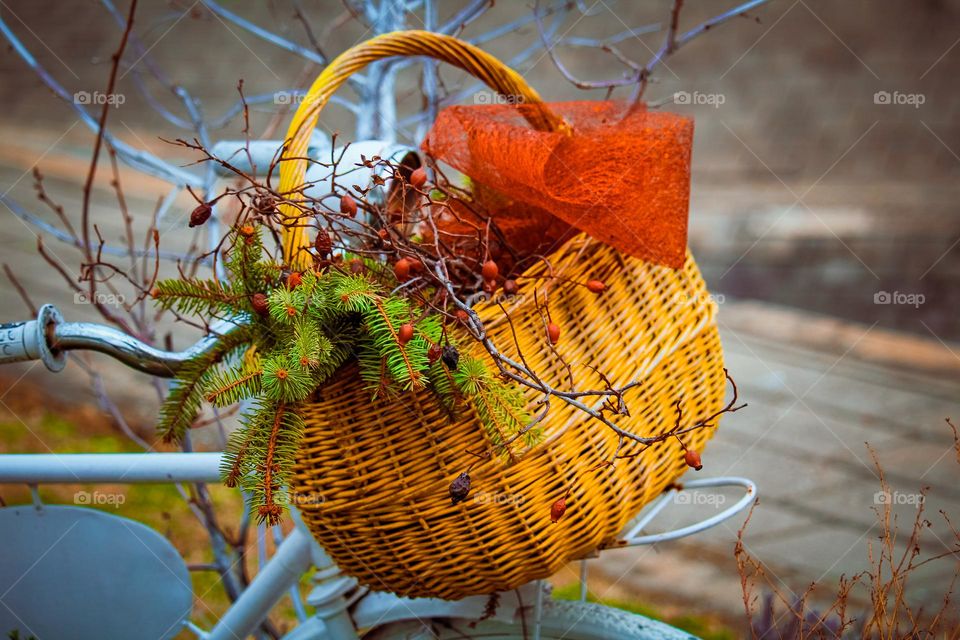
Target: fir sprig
[[198, 297], [501, 408], [186, 394], [311, 326], [405, 363]]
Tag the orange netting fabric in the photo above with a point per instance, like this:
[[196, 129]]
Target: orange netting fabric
[[622, 177]]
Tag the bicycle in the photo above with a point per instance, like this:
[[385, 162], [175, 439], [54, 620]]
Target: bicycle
[[342, 609]]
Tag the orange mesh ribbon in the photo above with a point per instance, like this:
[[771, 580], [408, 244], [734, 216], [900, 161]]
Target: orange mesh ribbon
[[621, 177]]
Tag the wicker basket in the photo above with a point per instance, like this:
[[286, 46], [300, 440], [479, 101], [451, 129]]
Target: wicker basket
[[382, 469]]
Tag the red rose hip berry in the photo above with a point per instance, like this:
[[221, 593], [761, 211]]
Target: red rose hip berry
[[418, 178], [553, 332], [490, 270], [401, 269], [405, 334]]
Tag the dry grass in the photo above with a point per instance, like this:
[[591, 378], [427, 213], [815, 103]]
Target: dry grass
[[875, 603]]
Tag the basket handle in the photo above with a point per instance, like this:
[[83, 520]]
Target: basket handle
[[458, 53]]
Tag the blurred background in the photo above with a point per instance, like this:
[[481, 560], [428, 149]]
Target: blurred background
[[824, 216]]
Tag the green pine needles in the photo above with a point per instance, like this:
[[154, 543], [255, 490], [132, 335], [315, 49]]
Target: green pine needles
[[298, 332]]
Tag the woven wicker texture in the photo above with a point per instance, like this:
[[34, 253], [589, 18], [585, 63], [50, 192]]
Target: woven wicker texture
[[372, 477]]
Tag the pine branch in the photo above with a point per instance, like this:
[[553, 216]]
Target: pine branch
[[285, 380], [405, 363], [497, 430], [198, 297], [499, 407], [270, 511], [184, 400], [310, 346], [243, 261], [235, 455], [373, 370], [262, 456], [444, 387], [354, 293], [226, 387], [282, 306]]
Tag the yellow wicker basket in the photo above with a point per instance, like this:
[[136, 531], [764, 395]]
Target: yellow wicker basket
[[383, 468]]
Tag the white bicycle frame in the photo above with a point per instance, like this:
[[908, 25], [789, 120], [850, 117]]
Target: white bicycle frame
[[341, 607]]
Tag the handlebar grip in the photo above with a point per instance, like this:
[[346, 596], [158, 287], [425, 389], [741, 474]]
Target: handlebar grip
[[24, 341]]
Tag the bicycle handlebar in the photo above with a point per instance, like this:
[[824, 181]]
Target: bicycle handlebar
[[49, 337], [30, 340]]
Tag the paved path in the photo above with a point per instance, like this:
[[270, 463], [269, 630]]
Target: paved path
[[813, 404]]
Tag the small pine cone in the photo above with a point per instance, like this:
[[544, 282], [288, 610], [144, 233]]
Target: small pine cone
[[450, 357], [200, 215], [259, 303], [348, 206], [323, 244], [460, 488], [266, 205]]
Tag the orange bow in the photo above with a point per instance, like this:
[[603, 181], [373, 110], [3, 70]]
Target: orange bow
[[622, 176]]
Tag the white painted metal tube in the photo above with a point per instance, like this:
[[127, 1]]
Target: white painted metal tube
[[120, 468], [291, 561], [633, 540]]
